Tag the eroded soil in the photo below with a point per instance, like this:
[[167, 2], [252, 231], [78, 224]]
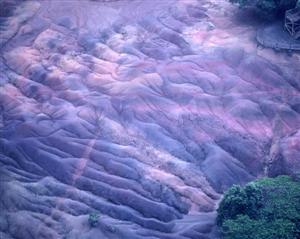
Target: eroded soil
[[144, 111]]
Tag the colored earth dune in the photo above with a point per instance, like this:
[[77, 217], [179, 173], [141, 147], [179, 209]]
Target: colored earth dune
[[144, 111]]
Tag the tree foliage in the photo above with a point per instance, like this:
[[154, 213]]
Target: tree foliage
[[264, 209], [238, 200], [267, 8], [243, 227]]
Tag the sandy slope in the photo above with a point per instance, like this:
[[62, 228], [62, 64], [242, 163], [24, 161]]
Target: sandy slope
[[144, 111]]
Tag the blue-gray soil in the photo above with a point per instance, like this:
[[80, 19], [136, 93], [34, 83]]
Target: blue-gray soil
[[142, 111]]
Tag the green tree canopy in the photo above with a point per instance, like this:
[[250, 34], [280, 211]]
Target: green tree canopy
[[264, 209], [243, 227], [267, 8]]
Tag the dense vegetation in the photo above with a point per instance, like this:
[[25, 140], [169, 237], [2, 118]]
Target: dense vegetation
[[264, 209], [268, 8]]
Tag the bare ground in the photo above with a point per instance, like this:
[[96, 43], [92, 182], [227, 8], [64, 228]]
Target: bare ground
[[144, 111]]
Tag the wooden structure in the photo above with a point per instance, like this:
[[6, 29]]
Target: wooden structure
[[292, 22]]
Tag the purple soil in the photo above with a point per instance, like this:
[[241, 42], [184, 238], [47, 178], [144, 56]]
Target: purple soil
[[144, 111]]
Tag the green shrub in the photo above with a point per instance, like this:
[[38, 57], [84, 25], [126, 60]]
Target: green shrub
[[93, 219], [238, 200], [267, 208], [243, 227]]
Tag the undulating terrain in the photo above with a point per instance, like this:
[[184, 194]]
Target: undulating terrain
[[144, 111]]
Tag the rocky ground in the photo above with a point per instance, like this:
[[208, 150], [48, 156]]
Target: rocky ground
[[142, 110]]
